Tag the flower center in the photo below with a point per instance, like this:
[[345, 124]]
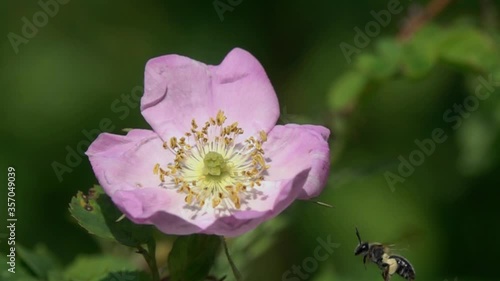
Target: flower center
[[215, 165], [211, 164]]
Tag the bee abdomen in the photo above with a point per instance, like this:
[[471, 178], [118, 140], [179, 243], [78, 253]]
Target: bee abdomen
[[405, 269]]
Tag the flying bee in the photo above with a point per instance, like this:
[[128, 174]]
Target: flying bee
[[389, 264]]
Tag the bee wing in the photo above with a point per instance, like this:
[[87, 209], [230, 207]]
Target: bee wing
[[402, 242], [393, 248]]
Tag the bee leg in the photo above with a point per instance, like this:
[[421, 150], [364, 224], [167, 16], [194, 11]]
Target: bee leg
[[385, 273], [364, 261]]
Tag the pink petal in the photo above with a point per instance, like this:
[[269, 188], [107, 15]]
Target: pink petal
[[124, 167], [243, 91], [299, 159], [178, 89], [127, 162], [299, 149], [277, 197], [167, 210], [161, 207]]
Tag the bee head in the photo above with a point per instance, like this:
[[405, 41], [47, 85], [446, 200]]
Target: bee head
[[362, 247]]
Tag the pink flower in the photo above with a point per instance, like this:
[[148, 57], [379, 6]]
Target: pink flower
[[215, 161]]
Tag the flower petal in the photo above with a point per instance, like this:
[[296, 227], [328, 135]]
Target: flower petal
[[277, 196], [127, 162], [124, 167], [293, 149], [179, 89], [167, 210], [243, 91], [161, 207]]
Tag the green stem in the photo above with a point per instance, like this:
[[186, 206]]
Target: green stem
[[236, 272], [150, 257], [154, 265]]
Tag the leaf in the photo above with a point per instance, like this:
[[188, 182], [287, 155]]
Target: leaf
[[346, 90], [421, 54], [469, 47], [40, 260], [98, 215], [390, 51], [95, 268], [192, 257], [384, 63], [369, 64]]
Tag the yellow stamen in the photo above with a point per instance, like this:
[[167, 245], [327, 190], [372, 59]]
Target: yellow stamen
[[211, 164]]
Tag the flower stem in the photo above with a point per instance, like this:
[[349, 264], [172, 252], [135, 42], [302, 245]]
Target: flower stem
[[150, 257], [432, 9], [236, 272]]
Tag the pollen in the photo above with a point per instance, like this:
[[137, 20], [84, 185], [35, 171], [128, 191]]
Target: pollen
[[211, 165]]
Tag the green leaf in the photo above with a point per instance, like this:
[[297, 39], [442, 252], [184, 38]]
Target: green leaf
[[469, 47], [370, 64], [192, 257], [384, 63], [98, 215], [421, 54], [95, 268], [346, 90], [390, 51], [40, 260]]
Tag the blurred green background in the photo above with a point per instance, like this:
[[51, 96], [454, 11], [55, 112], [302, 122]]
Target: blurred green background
[[444, 217]]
